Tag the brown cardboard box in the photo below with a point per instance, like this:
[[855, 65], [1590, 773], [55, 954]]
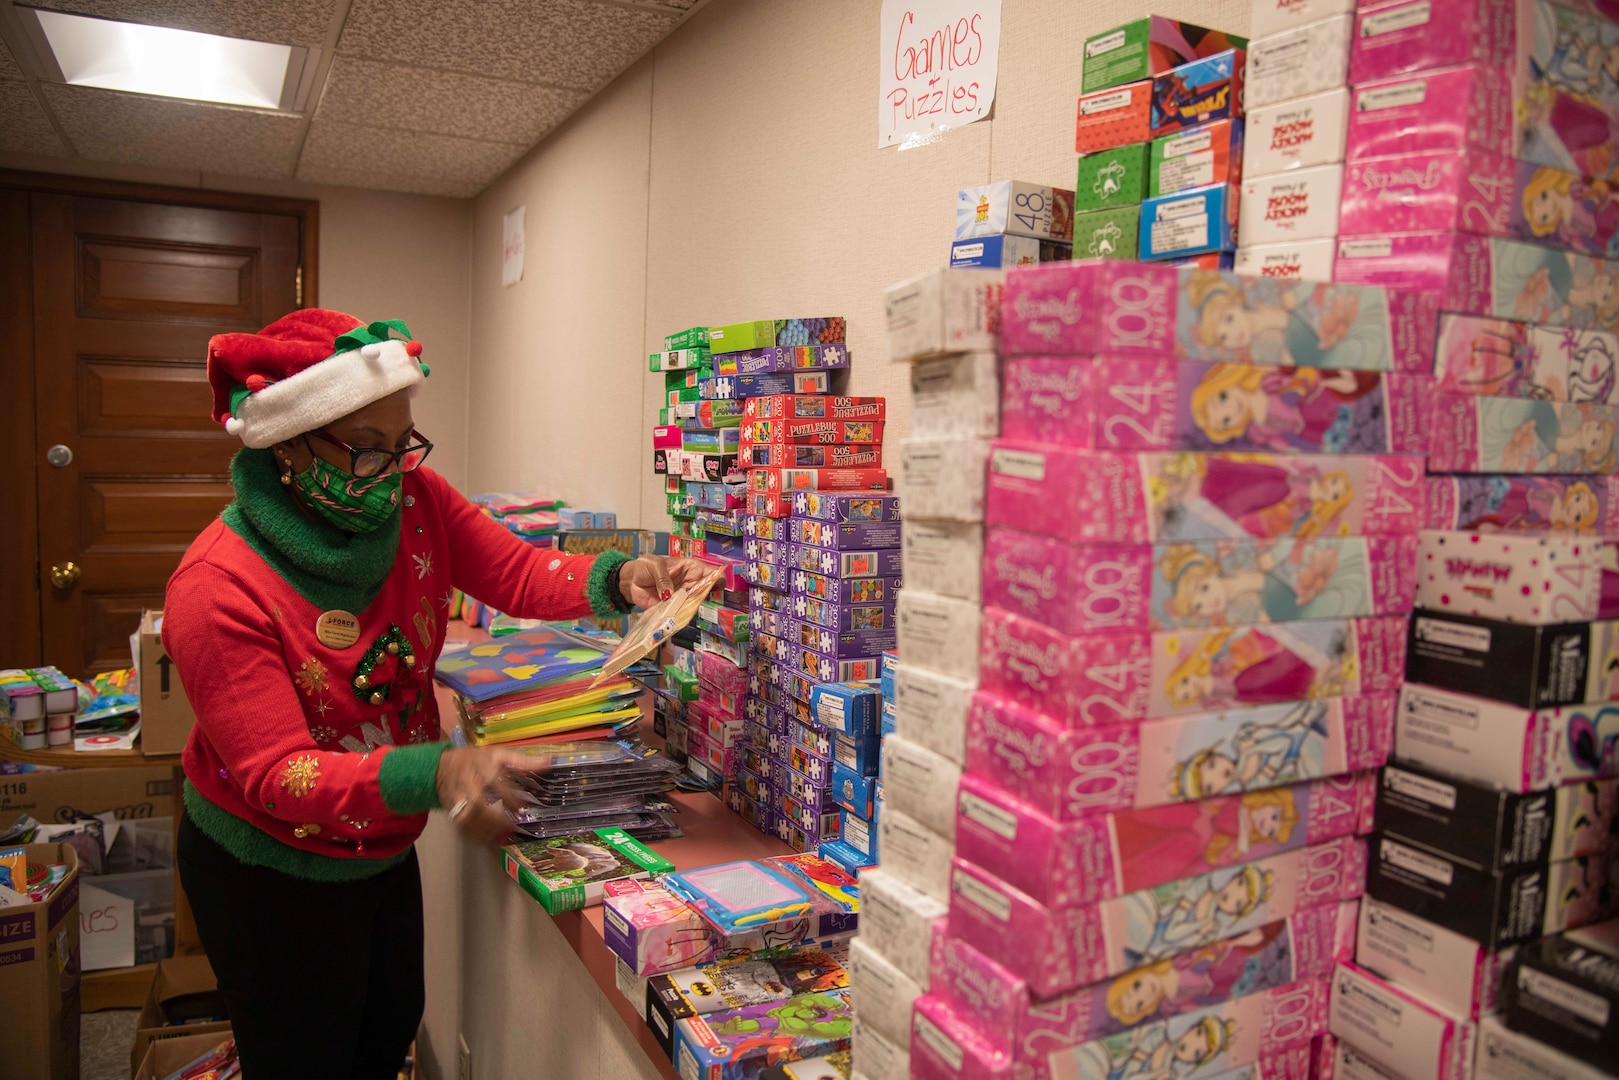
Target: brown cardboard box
[[166, 715], [176, 977], [167, 1056], [39, 978], [53, 797]]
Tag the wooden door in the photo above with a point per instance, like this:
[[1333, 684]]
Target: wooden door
[[126, 295]]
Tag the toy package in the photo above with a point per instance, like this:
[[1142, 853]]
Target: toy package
[[1069, 774], [1081, 589], [1017, 209], [1303, 260], [1209, 154], [1533, 666], [783, 358], [1501, 358], [1112, 676], [1397, 1030], [1493, 829], [1504, 1054], [1003, 250], [1520, 435], [741, 337], [1564, 992], [1455, 972], [931, 710], [1297, 134], [956, 395], [942, 631], [943, 311], [1066, 863], [1189, 222], [1577, 504], [1506, 746], [946, 1045], [568, 872], [1111, 497], [1120, 116], [1113, 178], [1107, 234], [1115, 404], [1146, 47], [738, 1044], [1301, 204], [1198, 92], [739, 982], [1299, 61], [900, 922], [1523, 578]]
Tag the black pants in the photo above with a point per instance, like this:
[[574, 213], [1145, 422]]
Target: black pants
[[322, 980]]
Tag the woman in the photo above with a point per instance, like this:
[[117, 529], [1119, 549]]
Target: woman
[[304, 624]]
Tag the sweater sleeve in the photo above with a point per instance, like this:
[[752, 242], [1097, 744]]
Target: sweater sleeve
[[234, 671], [492, 564]]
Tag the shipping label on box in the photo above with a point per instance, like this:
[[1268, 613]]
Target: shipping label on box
[[1533, 666], [1111, 118], [1107, 234], [1016, 208], [1145, 47], [1211, 154], [1291, 260], [1398, 1031], [1111, 178], [1292, 206], [1197, 93], [1296, 134], [1300, 61]]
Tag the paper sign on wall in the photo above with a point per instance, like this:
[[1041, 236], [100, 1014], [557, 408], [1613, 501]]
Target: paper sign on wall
[[937, 66], [511, 247], [106, 929]]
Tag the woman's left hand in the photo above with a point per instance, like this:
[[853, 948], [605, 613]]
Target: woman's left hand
[[652, 578]]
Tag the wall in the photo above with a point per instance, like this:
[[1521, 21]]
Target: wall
[[734, 174], [382, 256]]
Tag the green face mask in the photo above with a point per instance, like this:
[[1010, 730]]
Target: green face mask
[[347, 501]]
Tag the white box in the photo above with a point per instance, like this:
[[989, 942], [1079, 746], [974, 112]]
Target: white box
[[943, 478], [1509, 1055], [956, 395], [1439, 965], [631, 985], [1397, 1030], [1297, 205], [944, 311], [939, 633], [1520, 578], [1506, 746], [1299, 61], [920, 784], [1290, 260], [945, 557], [913, 852], [875, 1055], [882, 994], [931, 709], [1273, 16], [897, 921], [1350, 1064], [1299, 134]]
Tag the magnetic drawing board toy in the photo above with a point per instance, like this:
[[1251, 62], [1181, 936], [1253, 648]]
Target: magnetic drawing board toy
[[737, 895]]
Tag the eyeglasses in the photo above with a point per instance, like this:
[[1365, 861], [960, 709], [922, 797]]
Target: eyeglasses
[[368, 461]]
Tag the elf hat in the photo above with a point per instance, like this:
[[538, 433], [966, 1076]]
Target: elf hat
[[305, 370]]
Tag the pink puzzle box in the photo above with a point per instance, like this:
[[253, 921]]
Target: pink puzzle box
[[1124, 675], [1086, 588], [1071, 774], [1537, 580], [1063, 864], [1503, 358], [1290, 952], [1115, 404], [1491, 504], [1092, 496], [1522, 435], [1062, 949]]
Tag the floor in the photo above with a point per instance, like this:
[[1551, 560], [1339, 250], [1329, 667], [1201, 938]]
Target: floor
[[105, 1040]]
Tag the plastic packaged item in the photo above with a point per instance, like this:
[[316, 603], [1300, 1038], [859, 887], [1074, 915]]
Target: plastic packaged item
[[1296, 134], [1068, 863], [1111, 676], [1398, 1030], [1452, 970], [1299, 61], [1532, 666], [740, 1043], [1516, 577], [1506, 746], [564, 873], [1301, 204], [944, 311], [1070, 774], [1111, 497]]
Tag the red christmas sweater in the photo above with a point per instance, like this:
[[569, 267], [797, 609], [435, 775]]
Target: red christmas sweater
[[290, 765]]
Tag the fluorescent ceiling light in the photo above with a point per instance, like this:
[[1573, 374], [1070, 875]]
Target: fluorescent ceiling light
[[168, 63]]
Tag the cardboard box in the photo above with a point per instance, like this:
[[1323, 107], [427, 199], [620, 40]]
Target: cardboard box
[[1301, 260], [39, 991], [1299, 61], [1145, 47], [1297, 134], [1116, 117], [1015, 208], [1189, 223], [168, 1056], [1111, 178], [55, 797], [1107, 234], [1533, 666], [166, 715], [1292, 206], [183, 990], [1210, 154], [1565, 993], [1198, 93]]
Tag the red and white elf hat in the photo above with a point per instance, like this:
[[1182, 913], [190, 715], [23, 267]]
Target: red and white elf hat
[[305, 370]]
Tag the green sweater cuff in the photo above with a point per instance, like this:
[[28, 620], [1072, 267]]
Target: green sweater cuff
[[601, 603], [408, 778]]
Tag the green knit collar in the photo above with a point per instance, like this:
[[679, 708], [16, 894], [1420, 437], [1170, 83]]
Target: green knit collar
[[328, 567]]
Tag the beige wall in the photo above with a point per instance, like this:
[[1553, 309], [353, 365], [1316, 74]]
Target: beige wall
[[632, 233], [382, 256]]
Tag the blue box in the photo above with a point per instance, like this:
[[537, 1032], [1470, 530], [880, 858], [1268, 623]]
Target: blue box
[[844, 857], [845, 506], [1189, 222], [890, 662], [848, 708], [1198, 92], [767, 384], [888, 717], [711, 440], [859, 833], [854, 792], [1001, 250], [858, 754]]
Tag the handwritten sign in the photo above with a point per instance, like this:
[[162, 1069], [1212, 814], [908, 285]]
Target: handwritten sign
[[937, 66], [106, 929], [511, 247]]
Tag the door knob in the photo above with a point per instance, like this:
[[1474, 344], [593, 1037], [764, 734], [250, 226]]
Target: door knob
[[66, 575], [59, 456]]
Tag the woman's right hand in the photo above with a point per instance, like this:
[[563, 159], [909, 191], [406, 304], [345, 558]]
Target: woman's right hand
[[474, 786]]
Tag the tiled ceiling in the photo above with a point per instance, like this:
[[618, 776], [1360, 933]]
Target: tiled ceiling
[[436, 97]]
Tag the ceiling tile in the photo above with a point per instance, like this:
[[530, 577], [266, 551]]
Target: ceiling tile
[[163, 132], [289, 22], [378, 94], [337, 153], [26, 129], [567, 43], [8, 64]]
